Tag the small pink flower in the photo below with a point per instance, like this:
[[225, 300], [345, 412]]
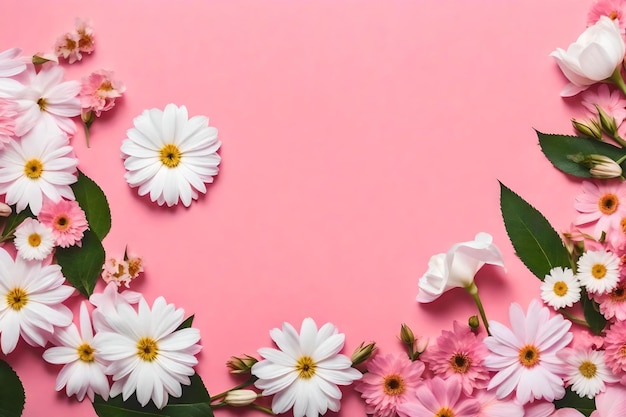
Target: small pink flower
[[615, 349], [601, 203], [586, 340], [122, 271], [609, 101], [390, 380], [439, 397], [613, 304], [459, 355], [99, 91], [613, 9], [67, 221], [84, 32], [67, 46], [611, 403]]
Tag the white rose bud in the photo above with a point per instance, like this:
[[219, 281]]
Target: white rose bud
[[604, 167], [240, 397]]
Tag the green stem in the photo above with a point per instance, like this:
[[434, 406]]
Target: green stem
[[87, 135], [620, 160], [616, 78], [221, 395], [473, 290], [263, 409], [574, 319]]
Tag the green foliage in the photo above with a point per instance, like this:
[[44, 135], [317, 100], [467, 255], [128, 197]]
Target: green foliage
[[94, 203], [193, 403], [572, 400], [14, 220], [187, 323], [11, 392], [593, 317], [565, 152], [536, 243], [82, 265]]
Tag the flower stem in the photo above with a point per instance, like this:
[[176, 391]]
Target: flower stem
[[473, 290], [616, 78], [221, 395], [574, 319], [86, 133]]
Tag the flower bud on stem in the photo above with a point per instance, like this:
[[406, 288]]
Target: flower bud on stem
[[473, 290]]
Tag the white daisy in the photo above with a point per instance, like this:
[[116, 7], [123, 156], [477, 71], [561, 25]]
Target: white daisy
[[305, 372], [31, 297], [37, 166], [83, 373], [171, 156], [560, 288], [586, 371], [148, 355], [45, 100], [33, 240], [598, 271]]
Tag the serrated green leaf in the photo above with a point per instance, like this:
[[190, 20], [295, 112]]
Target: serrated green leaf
[[94, 203], [562, 150], [536, 243], [194, 402], [187, 323], [14, 220], [592, 314], [82, 266], [11, 392], [572, 400]]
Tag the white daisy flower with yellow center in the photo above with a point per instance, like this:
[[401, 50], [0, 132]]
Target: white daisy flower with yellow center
[[83, 370], [170, 156], [560, 288], [38, 165], [598, 271], [31, 297], [586, 371], [33, 240], [306, 371], [147, 355]]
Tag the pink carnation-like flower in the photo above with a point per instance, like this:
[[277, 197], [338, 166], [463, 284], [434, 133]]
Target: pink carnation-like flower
[[459, 355], [72, 44], [613, 9], [122, 271], [390, 380], [602, 203], [66, 219], [611, 102], [615, 349], [613, 304], [439, 397], [99, 91]]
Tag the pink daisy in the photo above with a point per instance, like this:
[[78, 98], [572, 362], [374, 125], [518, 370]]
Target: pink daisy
[[611, 403], [615, 349], [459, 355], [611, 102], [613, 9], [613, 304], [603, 203], [66, 219], [439, 397], [525, 357], [390, 380], [491, 406]]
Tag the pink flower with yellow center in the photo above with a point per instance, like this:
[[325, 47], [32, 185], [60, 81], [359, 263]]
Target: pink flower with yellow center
[[66, 219]]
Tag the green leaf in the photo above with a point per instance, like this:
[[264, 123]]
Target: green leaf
[[193, 403], [592, 314], [12, 392], [536, 243], [94, 203], [82, 265], [562, 151], [14, 220], [572, 400], [187, 323]]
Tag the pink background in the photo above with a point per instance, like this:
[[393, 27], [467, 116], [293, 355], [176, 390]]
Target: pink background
[[359, 138]]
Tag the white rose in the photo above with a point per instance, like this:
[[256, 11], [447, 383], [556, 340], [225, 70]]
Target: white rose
[[594, 57]]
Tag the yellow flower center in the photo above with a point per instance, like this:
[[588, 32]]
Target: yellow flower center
[[460, 363], [147, 349], [17, 298], [85, 352], [33, 168], [560, 288], [444, 412], [608, 203], [613, 15], [393, 384], [529, 356], [170, 155], [42, 103], [588, 369], [34, 239], [598, 271], [305, 367], [62, 223]]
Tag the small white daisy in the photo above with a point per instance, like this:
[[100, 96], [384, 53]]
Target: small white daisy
[[598, 271], [586, 371], [83, 370], [560, 288], [170, 156], [33, 240]]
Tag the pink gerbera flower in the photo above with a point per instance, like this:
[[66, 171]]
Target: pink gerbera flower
[[602, 203], [609, 101], [613, 9], [491, 406], [613, 304], [459, 355], [615, 349], [611, 403], [439, 397], [390, 380], [66, 219], [525, 357]]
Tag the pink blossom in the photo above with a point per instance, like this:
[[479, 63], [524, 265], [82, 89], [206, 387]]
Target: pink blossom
[[614, 9], [615, 349], [7, 121], [612, 102], [587, 340], [122, 271], [613, 304], [459, 355], [544, 409], [602, 203], [491, 406], [84, 30], [438, 397], [72, 44], [611, 403], [66, 219], [10, 62], [99, 91]]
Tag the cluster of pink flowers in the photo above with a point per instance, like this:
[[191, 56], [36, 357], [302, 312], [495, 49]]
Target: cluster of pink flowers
[[122, 271], [72, 45]]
